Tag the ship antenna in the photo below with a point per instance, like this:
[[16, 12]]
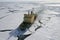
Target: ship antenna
[[32, 11], [28, 12]]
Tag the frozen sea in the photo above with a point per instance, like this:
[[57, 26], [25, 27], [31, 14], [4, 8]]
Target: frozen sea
[[12, 13]]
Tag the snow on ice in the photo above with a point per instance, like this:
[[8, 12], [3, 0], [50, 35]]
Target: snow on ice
[[11, 16]]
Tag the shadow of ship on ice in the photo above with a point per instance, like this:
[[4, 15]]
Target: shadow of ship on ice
[[29, 19]]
